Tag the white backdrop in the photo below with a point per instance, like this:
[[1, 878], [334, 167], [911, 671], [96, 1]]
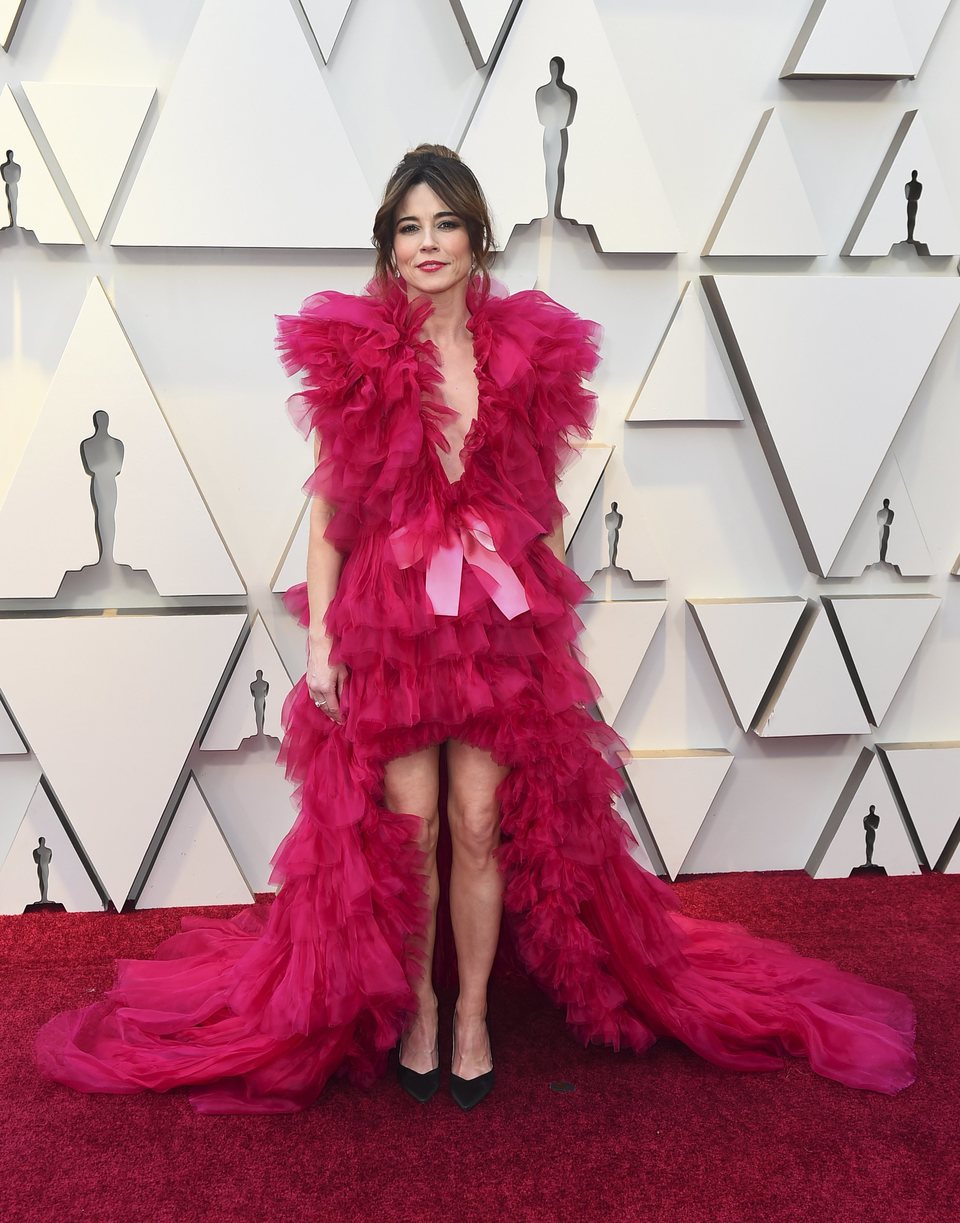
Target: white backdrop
[[308, 140]]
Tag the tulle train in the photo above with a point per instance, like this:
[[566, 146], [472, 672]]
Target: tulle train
[[256, 1012]]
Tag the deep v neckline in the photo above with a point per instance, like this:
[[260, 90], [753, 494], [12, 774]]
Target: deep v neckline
[[434, 408]]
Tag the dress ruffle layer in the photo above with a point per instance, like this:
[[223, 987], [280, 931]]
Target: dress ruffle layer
[[255, 1013]]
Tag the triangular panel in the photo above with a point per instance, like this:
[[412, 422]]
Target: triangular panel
[[259, 681], [67, 883], [928, 778], [293, 566], [482, 23], [157, 504], [746, 640], [828, 367], [131, 693], [504, 142], [862, 39], [676, 790], [687, 378], [10, 11], [816, 695], [40, 207], [11, 743], [842, 847], [579, 482], [248, 144], [325, 18], [883, 219], [615, 638], [882, 634], [18, 781], [767, 211], [92, 130], [194, 865], [920, 20], [254, 805], [886, 530], [614, 535]]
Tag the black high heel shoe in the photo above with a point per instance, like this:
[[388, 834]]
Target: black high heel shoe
[[468, 1092], [422, 1085]]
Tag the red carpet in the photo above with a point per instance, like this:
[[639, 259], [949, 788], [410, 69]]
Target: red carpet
[[666, 1137]]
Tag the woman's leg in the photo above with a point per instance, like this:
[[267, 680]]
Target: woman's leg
[[476, 892], [411, 784]]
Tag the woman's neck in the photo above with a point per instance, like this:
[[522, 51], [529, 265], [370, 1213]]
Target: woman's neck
[[447, 322]]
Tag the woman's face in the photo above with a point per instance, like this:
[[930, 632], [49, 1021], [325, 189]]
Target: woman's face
[[431, 246]]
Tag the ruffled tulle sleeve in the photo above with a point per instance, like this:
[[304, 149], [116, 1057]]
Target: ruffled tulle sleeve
[[565, 408], [563, 350], [320, 341], [345, 346]]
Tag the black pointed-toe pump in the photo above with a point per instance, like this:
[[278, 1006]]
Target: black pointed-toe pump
[[422, 1085], [468, 1092]]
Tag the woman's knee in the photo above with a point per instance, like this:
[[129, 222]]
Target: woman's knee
[[411, 784], [474, 827], [472, 804]]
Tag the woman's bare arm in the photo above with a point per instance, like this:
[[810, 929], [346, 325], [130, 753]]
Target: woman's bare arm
[[324, 562]]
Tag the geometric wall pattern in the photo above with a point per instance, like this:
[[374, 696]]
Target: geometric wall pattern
[[194, 865], [11, 744], [766, 211], [326, 19], [113, 723], [255, 691], [675, 791], [250, 128], [746, 640], [880, 635], [40, 209], [828, 366], [18, 784], [92, 130], [482, 23], [578, 483], [68, 882], [926, 779], [884, 218], [615, 639], [503, 144], [886, 530], [815, 695], [148, 501], [250, 125], [613, 535], [865, 812], [687, 378], [867, 39], [10, 11], [253, 804]]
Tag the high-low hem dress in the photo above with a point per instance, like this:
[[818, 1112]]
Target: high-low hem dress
[[454, 618]]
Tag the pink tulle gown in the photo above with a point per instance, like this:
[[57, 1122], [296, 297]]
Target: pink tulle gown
[[454, 619]]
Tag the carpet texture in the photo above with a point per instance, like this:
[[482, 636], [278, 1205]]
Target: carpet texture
[[665, 1137]]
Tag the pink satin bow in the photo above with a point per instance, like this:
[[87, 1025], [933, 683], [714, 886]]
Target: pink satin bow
[[471, 541]]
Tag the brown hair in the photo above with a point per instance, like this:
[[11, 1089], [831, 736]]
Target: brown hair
[[454, 182]]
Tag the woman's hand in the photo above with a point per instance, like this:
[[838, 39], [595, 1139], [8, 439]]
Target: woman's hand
[[324, 682]]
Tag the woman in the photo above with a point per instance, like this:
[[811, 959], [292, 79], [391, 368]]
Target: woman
[[440, 612]]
